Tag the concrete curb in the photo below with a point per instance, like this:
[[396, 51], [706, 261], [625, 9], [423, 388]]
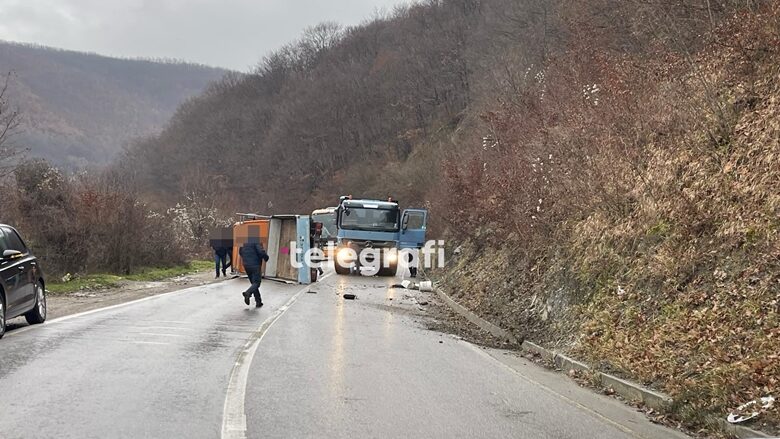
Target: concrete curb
[[740, 431], [629, 390], [475, 319]]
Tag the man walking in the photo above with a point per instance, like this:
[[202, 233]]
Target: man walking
[[252, 256]]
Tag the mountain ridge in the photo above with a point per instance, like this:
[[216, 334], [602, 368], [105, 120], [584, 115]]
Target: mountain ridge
[[81, 109]]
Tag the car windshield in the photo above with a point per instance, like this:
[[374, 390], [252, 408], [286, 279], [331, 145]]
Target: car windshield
[[359, 218], [328, 221]]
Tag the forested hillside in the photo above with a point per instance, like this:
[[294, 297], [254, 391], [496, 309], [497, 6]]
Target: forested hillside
[[81, 109], [339, 110]]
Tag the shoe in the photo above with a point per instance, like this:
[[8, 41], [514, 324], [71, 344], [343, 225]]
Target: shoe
[[217, 276], [246, 299], [224, 274], [259, 305]]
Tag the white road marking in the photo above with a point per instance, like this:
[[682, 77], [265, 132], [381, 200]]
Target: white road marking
[[150, 342], [166, 327], [97, 310], [233, 414], [155, 334]]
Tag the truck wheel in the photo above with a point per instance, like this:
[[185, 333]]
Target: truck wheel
[[388, 271], [38, 313], [342, 270]]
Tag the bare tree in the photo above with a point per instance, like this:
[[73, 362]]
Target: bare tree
[[10, 120]]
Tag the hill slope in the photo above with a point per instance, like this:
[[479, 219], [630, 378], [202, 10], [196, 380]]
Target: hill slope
[[608, 168], [82, 108]]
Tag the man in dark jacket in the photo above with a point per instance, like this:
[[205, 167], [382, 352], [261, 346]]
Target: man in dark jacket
[[252, 256], [221, 250], [221, 240]]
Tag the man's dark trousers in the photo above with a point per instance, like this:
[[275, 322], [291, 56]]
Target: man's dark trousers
[[254, 277], [220, 259]]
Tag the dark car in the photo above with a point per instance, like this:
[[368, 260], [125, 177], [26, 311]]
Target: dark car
[[22, 288]]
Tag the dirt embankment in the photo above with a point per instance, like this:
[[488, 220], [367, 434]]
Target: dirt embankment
[[678, 285]]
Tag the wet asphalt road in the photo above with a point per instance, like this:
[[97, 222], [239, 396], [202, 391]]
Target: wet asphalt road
[[321, 367]]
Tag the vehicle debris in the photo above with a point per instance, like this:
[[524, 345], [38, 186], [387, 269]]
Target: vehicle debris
[[748, 411], [349, 296]]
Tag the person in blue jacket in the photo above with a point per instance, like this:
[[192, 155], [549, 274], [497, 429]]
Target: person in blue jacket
[[252, 255]]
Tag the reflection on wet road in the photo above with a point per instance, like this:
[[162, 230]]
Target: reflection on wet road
[[157, 368], [326, 367]]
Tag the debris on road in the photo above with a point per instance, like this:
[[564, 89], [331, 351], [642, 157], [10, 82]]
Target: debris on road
[[748, 411], [405, 284], [426, 285], [349, 296]]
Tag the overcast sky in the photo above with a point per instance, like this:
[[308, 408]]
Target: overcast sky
[[225, 33]]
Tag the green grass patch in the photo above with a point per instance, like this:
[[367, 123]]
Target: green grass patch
[[104, 280], [154, 274], [88, 282], [660, 229]]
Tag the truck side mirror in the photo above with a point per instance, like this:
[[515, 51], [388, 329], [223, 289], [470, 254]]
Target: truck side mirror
[[405, 222]]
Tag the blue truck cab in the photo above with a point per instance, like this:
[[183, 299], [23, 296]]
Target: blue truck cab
[[380, 226]]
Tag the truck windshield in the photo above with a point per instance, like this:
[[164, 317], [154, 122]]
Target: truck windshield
[[328, 221], [358, 218]]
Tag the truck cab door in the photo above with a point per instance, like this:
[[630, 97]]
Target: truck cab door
[[303, 244], [413, 225]]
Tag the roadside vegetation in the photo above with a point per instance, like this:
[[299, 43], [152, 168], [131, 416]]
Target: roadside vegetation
[[70, 284], [99, 222]]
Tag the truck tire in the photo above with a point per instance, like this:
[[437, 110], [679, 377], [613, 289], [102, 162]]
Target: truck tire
[[388, 271], [342, 270]]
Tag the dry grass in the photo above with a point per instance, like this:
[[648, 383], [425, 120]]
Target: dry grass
[[655, 250]]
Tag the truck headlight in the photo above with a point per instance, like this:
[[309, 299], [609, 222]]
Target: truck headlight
[[392, 257], [345, 254]]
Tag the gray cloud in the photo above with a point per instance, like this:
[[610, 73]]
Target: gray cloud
[[226, 33]]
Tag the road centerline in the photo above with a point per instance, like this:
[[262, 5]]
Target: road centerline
[[234, 425]]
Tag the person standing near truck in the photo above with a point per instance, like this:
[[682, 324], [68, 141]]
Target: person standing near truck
[[221, 250], [252, 256], [221, 241]]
